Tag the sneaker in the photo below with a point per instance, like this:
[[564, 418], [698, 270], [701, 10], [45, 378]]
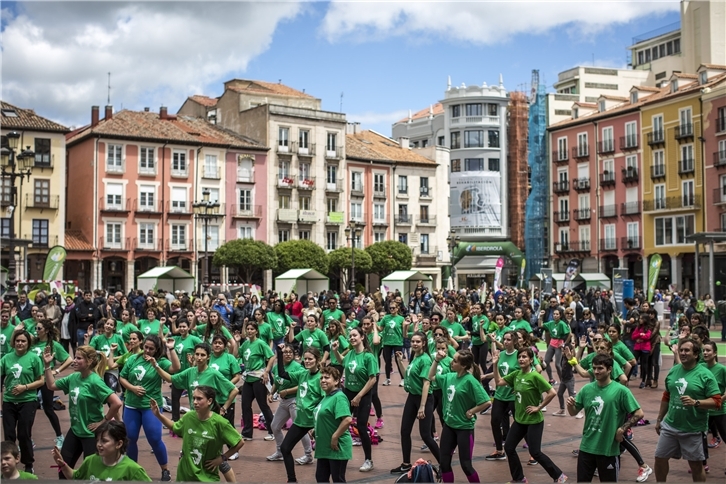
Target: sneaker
[[523, 481], [544, 409], [553, 382], [532, 462], [559, 413], [234, 456], [715, 442], [576, 452], [305, 460], [275, 456], [387, 382], [29, 469], [642, 385], [357, 442], [403, 468], [269, 437], [596, 474], [424, 448], [379, 423], [643, 474], [184, 394], [496, 456], [367, 466], [165, 475], [400, 384], [562, 478], [32, 442], [580, 414], [245, 438], [372, 412], [525, 446], [59, 441]]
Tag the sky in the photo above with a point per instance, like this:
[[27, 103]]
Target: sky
[[378, 59]]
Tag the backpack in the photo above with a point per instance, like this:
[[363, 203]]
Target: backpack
[[421, 472]]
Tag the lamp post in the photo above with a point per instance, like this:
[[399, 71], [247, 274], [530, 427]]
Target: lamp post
[[206, 210], [453, 241], [14, 166], [352, 231]]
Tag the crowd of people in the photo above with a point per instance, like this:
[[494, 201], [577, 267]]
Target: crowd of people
[[314, 363]]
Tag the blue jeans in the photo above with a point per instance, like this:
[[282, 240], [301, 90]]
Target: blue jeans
[[80, 333], [134, 418]]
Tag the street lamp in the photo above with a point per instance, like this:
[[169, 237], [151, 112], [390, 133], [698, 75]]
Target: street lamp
[[453, 242], [14, 166], [352, 231], [206, 210]]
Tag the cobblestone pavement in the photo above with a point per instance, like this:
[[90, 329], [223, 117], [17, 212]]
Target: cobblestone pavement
[[561, 436]]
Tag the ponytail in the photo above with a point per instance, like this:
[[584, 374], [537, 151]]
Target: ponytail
[[466, 359], [96, 359]]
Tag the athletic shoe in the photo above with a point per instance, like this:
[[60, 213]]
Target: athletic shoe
[[274, 457], [525, 446], [532, 462], [372, 412], [562, 478], [234, 456], [544, 409], [245, 438], [553, 382], [29, 469], [387, 382], [715, 442], [642, 385], [400, 469], [357, 442], [400, 384], [580, 414], [496, 456], [523, 481], [643, 473], [269, 437], [305, 460], [654, 384], [165, 475], [559, 413], [59, 441], [367, 466], [184, 394], [379, 423], [576, 452], [424, 448], [32, 442], [596, 474]]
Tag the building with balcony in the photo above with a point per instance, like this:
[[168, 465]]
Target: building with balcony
[[714, 133], [40, 210], [141, 172]]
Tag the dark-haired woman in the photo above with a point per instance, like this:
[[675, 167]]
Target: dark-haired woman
[[279, 322], [257, 358], [151, 325], [127, 324], [264, 329], [313, 337], [391, 329], [503, 401], [334, 446], [184, 343], [215, 325], [336, 333], [225, 363], [286, 391]]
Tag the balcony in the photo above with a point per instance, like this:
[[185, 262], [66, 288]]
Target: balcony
[[581, 184], [684, 131], [180, 172], [719, 196], [630, 175], [581, 152], [41, 242], [657, 171], [671, 203], [47, 202], [629, 142], [246, 211], [424, 192], [334, 186], [379, 191], [307, 216], [561, 217], [719, 159], [116, 168], [630, 243], [560, 156], [629, 208], [212, 173], [428, 258], [607, 178], [155, 245], [686, 167], [572, 247], [245, 176], [178, 245], [608, 211], [428, 220], [356, 189], [582, 214], [608, 245], [656, 138], [307, 150], [283, 147], [605, 147], [720, 125], [148, 207], [404, 219], [106, 207], [333, 153], [120, 244], [562, 186], [306, 182], [286, 181], [286, 215], [212, 244], [179, 207], [380, 222], [335, 218]]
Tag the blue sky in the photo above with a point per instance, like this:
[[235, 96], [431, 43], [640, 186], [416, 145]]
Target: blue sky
[[386, 58]]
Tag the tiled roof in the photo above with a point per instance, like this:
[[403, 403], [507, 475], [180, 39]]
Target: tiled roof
[[646, 88], [371, 146], [586, 105], [148, 126], [16, 118], [684, 76], [262, 87], [75, 240], [204, 100], [437, 108], [713, 66], [614, 98]]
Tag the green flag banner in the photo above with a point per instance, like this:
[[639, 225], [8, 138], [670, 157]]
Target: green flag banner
[[654, 269], [521, 273], [54, 263]]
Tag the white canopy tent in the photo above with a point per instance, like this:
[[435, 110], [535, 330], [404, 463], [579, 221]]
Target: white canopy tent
[[301, 281], [169, 278], [404, 281], [592, 279]]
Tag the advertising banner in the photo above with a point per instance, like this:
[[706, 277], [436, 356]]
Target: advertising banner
[[653, 270], [619, 275], [522, 282], [54, 263], [498, 274], [547, 281], [571, 272], [475, 199]]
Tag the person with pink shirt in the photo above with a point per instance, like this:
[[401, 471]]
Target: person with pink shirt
[[642, 347]]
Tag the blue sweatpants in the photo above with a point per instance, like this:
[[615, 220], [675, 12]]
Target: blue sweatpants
[[134, 418]]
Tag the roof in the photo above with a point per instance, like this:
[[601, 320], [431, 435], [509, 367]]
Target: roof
[[147, 126], [310, 274], [713, 66], [614, 98], [204, 100], [166, 272], [684, 76], [75, 240], [586, 105], [437, 109], [406, 276], [371, 146], [14, 117], [262, 87], [646, 88]]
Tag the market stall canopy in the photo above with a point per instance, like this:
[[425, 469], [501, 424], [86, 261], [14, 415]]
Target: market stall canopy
[[301, 281], [169, 278], [592, 279], [404, 281]]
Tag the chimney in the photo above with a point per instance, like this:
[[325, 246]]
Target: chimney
[[146, 109], [162, 112], [109, 113], [94, 116], [403, 142]]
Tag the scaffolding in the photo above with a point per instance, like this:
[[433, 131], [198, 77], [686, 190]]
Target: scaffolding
[[518, 183], [536, 217]]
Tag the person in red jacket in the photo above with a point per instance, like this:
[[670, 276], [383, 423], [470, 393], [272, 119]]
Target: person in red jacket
[[642, 347]]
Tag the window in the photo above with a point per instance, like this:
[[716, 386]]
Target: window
[[146, 235], [631, 135], [673, 230], [610, 240], [669, 48], [178, 199], [403, 213], [283, 138], [114, 159], [305, 203], [245, 200], [688, 193], [676, 46], [41, 194], [441, 141], [113, 235], [210, 166], [633, 229], [607, 140], [331, 142], [658, 128], [40, 232], [456, 111], [655, 53], [42, 152], [304, 139], [473, 109], [564, 238], [424, 143], [403, 238], [304, 235], [379, 185], [584, 236], [305, 172], [685, 118], [493, 164], [455, 140], [213, 194], [641, 58], [332, 204], [379, 236], [331, 240], [424, 242], [633, 97], [582, 148], [455, 166], [601, 105], [687, 157], [146, 197], [661, 50], [493, 139], [493, 109], [424, 214], [564, 204], [146, 160], [356, 211], [562, 148], [356, 181], [283, 235], [402, 184], [114, 194], [178, 236], [474, 164], [660, 199], [379, 212], [631, 162], [583, 202], [246, 232], [244, 169], [284, 170], [210, 237], [474, 139], [721, 120], [283, 202], [5, 228], [647, 55], [179, 163], [6, 195], [424, 186]]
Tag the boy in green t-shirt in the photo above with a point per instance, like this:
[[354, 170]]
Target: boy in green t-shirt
[[10, 458]]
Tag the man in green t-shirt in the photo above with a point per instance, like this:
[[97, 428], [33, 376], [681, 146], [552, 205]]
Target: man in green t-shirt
[[690, 392], [332, 313], [606, 404]]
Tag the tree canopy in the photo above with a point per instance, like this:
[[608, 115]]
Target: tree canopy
[[247, 255], [300, 254], [341, 260], [389, 256]]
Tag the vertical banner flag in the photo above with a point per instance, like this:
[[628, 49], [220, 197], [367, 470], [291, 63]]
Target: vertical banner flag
[[498, 274], [619, 275], [547, 279], [54, 263], [521, 273], [653, 270], [571, 272]]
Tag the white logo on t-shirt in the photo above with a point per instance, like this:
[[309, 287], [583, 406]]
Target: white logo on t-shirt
[[303, 389], [196, 456], [598, 404], [74, 395], [309, 341], [215, 366], [450, 392], [681, 386], [505, 368], [17, 370], [352, 366], [139, 371], [247, 353]]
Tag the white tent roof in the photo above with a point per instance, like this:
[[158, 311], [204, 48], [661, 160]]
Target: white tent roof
[[407, 276], [301, 273], [166, 272]]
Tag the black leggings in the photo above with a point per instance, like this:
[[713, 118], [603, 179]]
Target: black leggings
[[73, 447], [375, 401], [328, 468], [361, 414], [480, 355], [643, 358], [293, 436], [500, 421], [254, 391], [439, 407], [176, 394], [388, 352], [464, 440], [717, 425], [533, 433], [654, 363], [409, 417], [632, 450], [47, 398]]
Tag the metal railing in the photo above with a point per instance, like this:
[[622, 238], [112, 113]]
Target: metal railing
[[561, 186], [246, 211], [334, 187], [283, 148], [379, 192], [178, 207], [356, 189], [686, 167], [608, 211], [671, 203], [212, 244], [179, 245], [47, 241], [630, 174], [426, 220], [576, 246], [180, 173], [607, 179], [719, 159], [582, 214], [719, 195], [630, 243], [156, 245], [684, 130], [104, 206], [424, 192], [153, 207], [404, 219], [308, 150], [116, 169], [629, 142], [42, 202], [581, 184], [657, 171], [113, 244], [245, 177], [606, 146], [333, 154], [560, 156], [212, 173], [306, 182], [581, 151], [608, 245], [656, 138], [561, 217], [720, 125], [630, 208], [285, 180]]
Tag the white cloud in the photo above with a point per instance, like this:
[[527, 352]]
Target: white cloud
[[480, 22], [56, 55], [372, 118]]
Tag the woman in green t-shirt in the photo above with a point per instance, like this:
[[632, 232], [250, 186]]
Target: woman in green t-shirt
[[151, 325], [216, 325], [335, 333], [225, 363], [184, 343], [280, 323], [257, 358], [370, 328], [503, 400], [443, 367], [392, 329], [111, 463], [560, 334], [134, 348], [127, 324], [313, 337], [108, 341], [285, 389], [334, 445]]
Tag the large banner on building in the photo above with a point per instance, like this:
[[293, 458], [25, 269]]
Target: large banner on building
[[475, 199]]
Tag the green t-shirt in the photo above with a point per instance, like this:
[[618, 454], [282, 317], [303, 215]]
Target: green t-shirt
[[442, 368], [330, 411], [226, 364], [87, 397], [519, 324], [204, 440], [342, 346], [139, 372], [375, 348], [280, 324], [102, 343], [605, 410], [31, 326], [149, 327], [358, 368], [265, 333], [508, 362], [557, 329], [528, 389], [615, 375], [184, 347], [391, 330], [255, 355], [309, 394], [125, 330], [329, 316], [416, 372], [26, 476], [719, 373], [60, 355], [623, 351], [200, 329], [586, 362], [697, 383], [6, 334], [316, 339], [455, 329], [477, 322], [460, 395], [93, 469], [282, 383], [20, 370], [121, 361], [191, 378]]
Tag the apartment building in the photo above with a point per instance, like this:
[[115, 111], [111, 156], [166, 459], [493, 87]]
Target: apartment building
[[714, 134], [141, 173], [40, 204]]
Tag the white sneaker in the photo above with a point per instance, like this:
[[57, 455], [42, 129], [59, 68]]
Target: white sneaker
[[274, 457], [644, 473], [305, 460], [387, 382], [544, 409], [234, 456], [269, 437], [400, 384], [367, 466]]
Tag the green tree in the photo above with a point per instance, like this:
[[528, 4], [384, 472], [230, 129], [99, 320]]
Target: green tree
[[389, 256], [300, 254], [247, 255], [341, 261]]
